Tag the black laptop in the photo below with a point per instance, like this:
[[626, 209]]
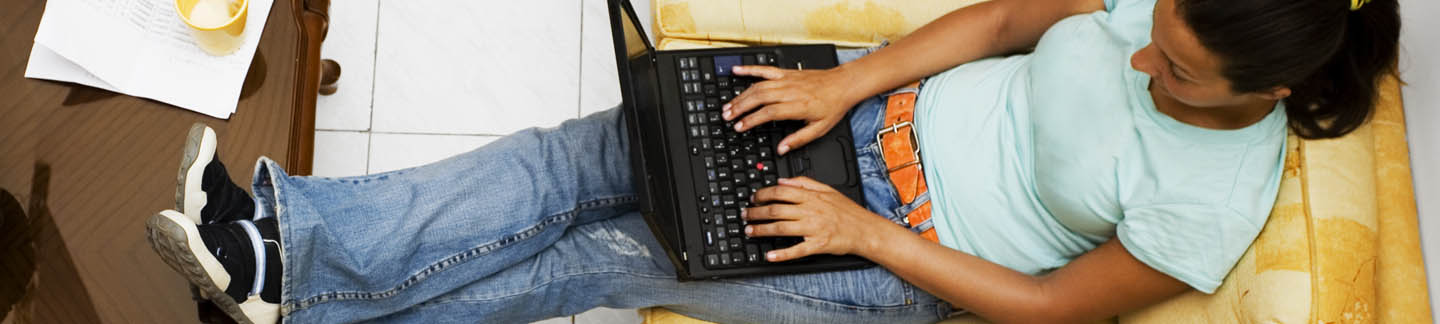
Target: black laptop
[[694, 173]]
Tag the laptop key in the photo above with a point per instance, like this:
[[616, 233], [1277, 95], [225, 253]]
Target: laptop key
[[737, 257], [752, 253], [712, 260], [735, 244], [720, 234]]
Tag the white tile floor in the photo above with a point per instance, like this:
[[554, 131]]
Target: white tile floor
[[426, 80]]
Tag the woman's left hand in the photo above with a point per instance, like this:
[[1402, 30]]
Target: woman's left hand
[[830, 222]]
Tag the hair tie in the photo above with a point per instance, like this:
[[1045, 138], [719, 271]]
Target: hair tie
[[1356, 4]]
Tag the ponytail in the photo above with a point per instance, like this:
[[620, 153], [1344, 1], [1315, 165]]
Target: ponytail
[[1331, 57]]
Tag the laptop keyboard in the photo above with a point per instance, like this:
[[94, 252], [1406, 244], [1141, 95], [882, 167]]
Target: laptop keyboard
[[735, 165]]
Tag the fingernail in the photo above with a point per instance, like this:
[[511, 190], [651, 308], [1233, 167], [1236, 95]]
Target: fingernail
[[736, 68], [726, 107], [726, 113], [771, 256], [739, 125], [784, 180], [749, 230], [782, 149], [744, 213]]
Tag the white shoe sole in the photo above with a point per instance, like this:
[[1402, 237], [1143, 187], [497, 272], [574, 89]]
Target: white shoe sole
[[176, 239], [199, 151]]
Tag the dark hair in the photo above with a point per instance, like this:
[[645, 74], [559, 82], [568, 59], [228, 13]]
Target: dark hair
[[1329, 56]]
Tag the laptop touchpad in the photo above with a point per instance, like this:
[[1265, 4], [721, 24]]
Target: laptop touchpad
[[827, 161]]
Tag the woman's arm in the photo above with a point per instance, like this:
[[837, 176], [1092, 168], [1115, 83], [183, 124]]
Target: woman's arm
[[821, 97], [978, 31], [1101, 283]]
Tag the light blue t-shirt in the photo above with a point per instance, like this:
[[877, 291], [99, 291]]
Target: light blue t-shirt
[[1033, 160]]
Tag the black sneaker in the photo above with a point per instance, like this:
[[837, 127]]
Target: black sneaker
[[203, 190], [221, 261]]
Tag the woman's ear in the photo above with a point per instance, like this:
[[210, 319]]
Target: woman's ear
[[1276, 93]]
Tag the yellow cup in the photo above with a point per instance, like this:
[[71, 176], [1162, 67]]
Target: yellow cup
[[217, 32]]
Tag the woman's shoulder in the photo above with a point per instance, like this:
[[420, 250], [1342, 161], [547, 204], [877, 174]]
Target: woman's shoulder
[[1239, 176]]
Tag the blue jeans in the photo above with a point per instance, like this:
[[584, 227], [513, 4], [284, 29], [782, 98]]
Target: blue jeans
[[541, 223]]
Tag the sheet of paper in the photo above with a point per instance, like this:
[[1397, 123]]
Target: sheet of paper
[[45, 64], [142, 48]]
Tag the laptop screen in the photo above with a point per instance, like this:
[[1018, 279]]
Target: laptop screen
[[635, 42], [640, 92]]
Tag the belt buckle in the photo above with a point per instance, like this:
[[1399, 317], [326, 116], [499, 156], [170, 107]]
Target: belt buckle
[[913, 144]]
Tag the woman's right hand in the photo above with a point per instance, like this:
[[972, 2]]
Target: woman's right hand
[[818, 97]]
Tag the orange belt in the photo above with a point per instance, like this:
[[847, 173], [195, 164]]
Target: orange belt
[[901, 152]]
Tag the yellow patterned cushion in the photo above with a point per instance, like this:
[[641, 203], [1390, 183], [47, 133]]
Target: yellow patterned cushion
[[850, 23], [1341, 244]]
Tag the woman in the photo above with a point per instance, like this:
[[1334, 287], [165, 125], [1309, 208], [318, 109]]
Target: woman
[[1136, 151]]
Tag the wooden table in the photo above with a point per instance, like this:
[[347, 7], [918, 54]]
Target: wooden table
[[82, 168]]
